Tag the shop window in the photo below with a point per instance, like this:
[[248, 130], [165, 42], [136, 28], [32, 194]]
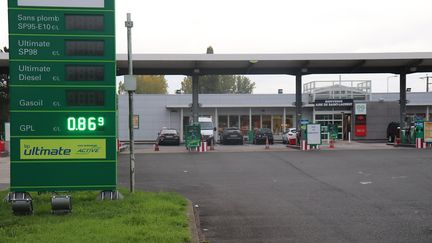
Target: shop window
[[323, 117], [244, 124], [338, 116], [277, 124], [222, 123], [266, 121], [256, 121], [185, 122], [289, 121], [234, 121]]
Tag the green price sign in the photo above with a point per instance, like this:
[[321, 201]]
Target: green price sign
[[62, 89]]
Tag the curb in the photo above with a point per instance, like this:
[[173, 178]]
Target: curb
[[194, 223]]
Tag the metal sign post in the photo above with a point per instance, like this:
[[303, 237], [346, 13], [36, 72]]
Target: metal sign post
[[130, 85]]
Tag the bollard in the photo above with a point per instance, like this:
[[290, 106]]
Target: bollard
[[212, 145], [267, 146], [304, 145], [156, 147], [2, 146], [332, 144]]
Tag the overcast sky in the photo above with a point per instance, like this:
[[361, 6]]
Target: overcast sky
[[273, 26]]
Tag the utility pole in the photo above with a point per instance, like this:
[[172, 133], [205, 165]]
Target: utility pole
[[129, 25], [427, 82]]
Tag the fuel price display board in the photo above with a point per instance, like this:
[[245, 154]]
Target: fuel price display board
[[62, 90]]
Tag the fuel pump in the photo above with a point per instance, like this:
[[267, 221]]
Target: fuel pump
[[419, 133]]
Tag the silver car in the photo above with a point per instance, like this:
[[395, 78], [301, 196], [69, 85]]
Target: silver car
[[290, 133]]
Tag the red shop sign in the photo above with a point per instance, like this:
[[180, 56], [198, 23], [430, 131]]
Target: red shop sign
[[360, 130]]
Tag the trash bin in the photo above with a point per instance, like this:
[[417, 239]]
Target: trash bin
[[251, 136], [403, 139]]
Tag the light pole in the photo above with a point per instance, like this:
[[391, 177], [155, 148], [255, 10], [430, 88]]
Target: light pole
[[389, 77], [427, 82], [129, 25]]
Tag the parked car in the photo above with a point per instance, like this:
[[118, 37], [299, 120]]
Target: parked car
[[290, 133], [261, 135], [168, 136], [231, 135]]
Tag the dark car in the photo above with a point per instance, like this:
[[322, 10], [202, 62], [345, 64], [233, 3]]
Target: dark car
[[261, 135], [168, 137], [231, 135]]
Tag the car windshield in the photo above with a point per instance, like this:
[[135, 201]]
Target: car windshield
[[169, 132], [231, 128], [265, 130], [206, 125]]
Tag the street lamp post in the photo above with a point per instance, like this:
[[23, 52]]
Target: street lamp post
[[389, 77], [129, 25]]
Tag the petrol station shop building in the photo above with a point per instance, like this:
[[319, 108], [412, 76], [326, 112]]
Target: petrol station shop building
[[350, 105]]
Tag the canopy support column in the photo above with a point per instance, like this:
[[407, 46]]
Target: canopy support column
[[195, 91], [298, 101], [403, 100]]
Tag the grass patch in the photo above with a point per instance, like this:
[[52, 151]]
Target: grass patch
[[140, 217]]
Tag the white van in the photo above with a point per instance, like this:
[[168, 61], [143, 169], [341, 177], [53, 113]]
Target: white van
[[207, 128]]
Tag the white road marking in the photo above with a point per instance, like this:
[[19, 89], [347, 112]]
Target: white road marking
[[365, 182]]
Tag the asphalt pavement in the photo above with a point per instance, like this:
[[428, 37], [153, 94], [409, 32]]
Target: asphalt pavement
[[295, 196]]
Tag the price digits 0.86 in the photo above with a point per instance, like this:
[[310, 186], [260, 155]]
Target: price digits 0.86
[[85, 123]]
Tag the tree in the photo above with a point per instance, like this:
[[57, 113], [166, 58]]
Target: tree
[[148, 84], [4, 96], [121, 88], [210, 50], [220, 84], [4, 100]]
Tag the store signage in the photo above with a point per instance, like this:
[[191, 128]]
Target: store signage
[[360, 129], [360, 108], [313, 134], [333, 103], [63, 101]]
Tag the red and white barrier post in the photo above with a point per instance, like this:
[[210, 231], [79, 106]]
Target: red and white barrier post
[[304, 145], [202, 147]]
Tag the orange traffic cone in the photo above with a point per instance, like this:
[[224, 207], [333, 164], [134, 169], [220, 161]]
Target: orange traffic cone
[[267, 144], [156, 147]]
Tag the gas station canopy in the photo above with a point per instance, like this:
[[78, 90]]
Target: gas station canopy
[[293, 64]]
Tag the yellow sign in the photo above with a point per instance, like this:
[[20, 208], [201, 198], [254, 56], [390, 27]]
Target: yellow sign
[[62, 149], [428, 132]]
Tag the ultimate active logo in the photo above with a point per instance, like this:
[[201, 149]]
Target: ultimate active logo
[[36, 150], [88, 149], [63, 149]]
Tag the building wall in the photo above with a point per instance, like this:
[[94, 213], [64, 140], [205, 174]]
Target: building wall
[[379, 115], [153, 115], [157, 111]]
